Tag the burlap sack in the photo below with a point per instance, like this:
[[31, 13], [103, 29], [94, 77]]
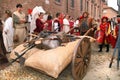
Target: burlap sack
[[90, 38], [20, 48], [53, 61]]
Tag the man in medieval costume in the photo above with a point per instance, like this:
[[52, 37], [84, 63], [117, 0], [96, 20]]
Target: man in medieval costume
[[56, 23], [103, 34], [8, 31], [36, 13], [86, 23], [19, 21]]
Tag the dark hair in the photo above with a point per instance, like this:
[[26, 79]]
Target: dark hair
[[49, 17], [19, 6], [9, 13], [118, 15], [40, 13], [57, 14], [85, 13]]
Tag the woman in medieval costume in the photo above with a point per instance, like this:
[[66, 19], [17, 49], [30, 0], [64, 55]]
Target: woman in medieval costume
[[71, 21], [19, 21], [66, 24], [48, 23], [39, 24], [8, 31], [104, 31]]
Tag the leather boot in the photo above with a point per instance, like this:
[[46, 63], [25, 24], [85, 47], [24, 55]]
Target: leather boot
[[107, 48], [100, 48]]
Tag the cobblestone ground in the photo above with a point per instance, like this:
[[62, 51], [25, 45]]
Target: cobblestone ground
[[98, 70], [16, 72]]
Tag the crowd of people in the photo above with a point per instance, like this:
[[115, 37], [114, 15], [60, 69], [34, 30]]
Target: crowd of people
[[13, 30]]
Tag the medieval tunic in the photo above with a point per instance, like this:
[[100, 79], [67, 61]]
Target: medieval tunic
[[61, 22], [39, 26], [8, 34], [113, 37], [56, 25], [66, 25], [84, 25], [71, 26], [103, 33], [76, 26], [19, 27], [49, 26]]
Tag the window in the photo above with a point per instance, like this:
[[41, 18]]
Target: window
[[81, 5], [57, 0], [87, 6], [91, 10], [94, 11], [72, 3], [66, 6], [104, 11]]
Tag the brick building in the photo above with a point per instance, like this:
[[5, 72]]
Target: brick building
[[73, 7], [110, 12]]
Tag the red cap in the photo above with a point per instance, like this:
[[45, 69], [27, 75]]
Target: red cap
[[104, 17], [29, 11], [81, 17]]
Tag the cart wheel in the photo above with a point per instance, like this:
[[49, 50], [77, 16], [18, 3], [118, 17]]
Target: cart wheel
[[81, 58]]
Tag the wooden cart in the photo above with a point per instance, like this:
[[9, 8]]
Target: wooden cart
[[81, 58]]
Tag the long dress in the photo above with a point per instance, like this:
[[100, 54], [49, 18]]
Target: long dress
[[66, 25], [39, 26], [8, 34], [49, 27], [20, 30]]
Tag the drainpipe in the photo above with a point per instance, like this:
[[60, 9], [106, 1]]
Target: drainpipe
[[66, 6]]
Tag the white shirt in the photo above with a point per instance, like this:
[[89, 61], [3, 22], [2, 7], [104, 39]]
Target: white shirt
[[8, 33], [66, 25]]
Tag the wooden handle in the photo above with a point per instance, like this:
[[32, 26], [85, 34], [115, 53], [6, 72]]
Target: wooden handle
[[33, 35]]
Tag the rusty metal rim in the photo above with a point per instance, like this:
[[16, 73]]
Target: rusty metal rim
[[80, 62]]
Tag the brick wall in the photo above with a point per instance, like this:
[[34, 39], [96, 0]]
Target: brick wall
[[94, 7], [109, 12]]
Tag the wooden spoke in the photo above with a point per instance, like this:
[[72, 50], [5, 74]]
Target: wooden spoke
[[80, 51], [81, 58]]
